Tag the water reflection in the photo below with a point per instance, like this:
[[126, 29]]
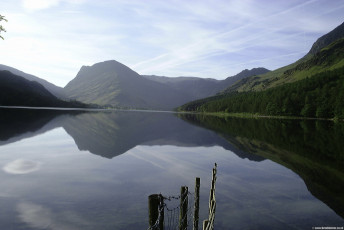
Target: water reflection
[[18, 124], [312, 149], [21, 166], [61, 187], [39, 217], [110, 134]]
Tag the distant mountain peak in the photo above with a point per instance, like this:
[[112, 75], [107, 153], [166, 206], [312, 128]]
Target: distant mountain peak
[[253, 71], [112, 83], [109, 66], [248, 73]]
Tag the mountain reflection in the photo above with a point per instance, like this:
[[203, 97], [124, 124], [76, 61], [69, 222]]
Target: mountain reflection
[[17, 124], [312, 149], [111, 133]]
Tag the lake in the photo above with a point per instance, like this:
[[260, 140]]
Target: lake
[[95, 170]]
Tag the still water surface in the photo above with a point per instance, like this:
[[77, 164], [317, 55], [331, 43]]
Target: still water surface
[[95, 170]]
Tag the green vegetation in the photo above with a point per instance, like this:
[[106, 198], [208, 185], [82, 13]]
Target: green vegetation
[[300, 69], [262, 81], [321, 96], [2, 29], [317, 91]]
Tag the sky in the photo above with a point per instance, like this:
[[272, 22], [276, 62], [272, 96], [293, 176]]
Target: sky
[[52, 39]]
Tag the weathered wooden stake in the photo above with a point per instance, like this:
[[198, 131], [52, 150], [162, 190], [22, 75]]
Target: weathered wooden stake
[[196, 211], [205, 224], [212, 189], [211, 195], [183, 214], [155, 201], [209, 223]]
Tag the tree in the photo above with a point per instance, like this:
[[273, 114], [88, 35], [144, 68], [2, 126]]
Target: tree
[[2, 29]]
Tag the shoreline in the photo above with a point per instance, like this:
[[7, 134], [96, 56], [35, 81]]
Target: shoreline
[[86, 109], [258, 116], [218, 114]]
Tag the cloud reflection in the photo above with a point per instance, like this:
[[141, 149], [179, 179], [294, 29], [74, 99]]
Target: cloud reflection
[[40, 217], [21, 166]]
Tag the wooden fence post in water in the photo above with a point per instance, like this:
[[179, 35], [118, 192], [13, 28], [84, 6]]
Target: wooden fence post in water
[[212, 189], [155, 206], [209, 223], [196, 211], [205, 224], [183, 214]]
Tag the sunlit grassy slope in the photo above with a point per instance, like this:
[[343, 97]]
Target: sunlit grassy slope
[[311, 87], [299, 70]]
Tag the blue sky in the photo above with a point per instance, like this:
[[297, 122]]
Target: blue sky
[[52, 39]]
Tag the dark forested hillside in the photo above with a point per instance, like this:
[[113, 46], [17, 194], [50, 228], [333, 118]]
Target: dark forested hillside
[[320, 96], [319, 92], [18, 91], [55, 90]]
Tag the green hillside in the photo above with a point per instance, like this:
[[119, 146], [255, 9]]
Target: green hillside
[[329, 58], [299, 69], [313, 87]]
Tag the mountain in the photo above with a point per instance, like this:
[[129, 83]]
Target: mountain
[[55, 90], [310, 87], [111, 83], [18, 91], [327, 39], [192, 87], [278, 76], [244, 75], [114, 84], [198, 88]]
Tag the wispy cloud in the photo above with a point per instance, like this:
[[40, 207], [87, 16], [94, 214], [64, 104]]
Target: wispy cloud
[[270, 32], [34, 5], [172, 38], [39, 4]]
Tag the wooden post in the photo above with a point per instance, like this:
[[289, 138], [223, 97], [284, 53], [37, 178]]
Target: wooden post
[[155, 201], [183, 214], [205, 224], [212, 188], [211, 195], [209, 223], [196, 211]]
